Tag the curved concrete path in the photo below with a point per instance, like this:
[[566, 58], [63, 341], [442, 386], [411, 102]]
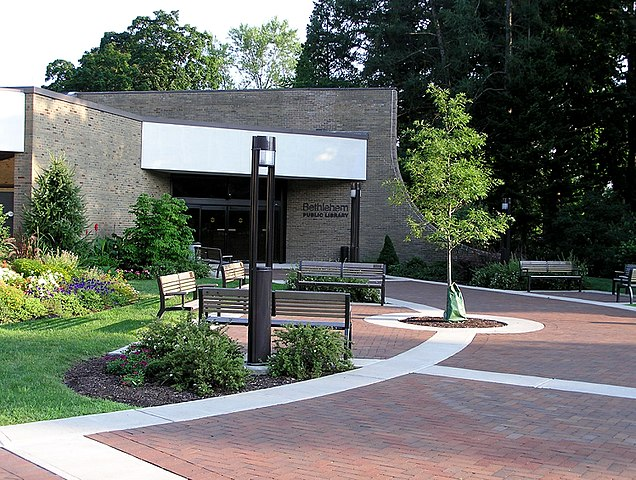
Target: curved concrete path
[[457, 405]]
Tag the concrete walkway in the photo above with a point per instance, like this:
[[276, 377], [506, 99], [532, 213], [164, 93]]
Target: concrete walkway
[[552, 395]]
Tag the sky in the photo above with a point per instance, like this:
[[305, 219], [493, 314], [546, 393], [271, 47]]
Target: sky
[[35, 33]]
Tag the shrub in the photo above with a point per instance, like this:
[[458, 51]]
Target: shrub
[[192, 356], [67, 263], [388, 255], [504, 276], [418, 268], [364, 295], [64, 305], [7, 244], [130, 365], [304, 352], [160, 239], [16, 306]]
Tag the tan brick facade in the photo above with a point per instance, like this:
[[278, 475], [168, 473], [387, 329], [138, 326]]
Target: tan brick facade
[[344, 110], [102, 147]]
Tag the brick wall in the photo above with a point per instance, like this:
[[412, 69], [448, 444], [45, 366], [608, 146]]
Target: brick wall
[[355, 110], [102, 147]]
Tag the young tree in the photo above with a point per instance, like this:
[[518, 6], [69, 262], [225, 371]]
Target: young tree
[[448, 177], [56, 213], [265, 56]]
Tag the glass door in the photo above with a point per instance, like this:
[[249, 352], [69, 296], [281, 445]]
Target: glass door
[[213, 228]]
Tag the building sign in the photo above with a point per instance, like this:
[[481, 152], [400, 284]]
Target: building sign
[[325, 210]]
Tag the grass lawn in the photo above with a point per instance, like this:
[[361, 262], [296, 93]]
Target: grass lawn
[[596, 283], [36, 354]]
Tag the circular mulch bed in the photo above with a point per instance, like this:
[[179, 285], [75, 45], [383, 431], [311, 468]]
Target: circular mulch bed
[[441, 323], [90, 378]]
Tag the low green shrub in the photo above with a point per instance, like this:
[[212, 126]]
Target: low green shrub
[[64, 305], [305, 352], [503, 276], [130, 365], [191, 356], [418, 268], [16, 306], [362, 295]]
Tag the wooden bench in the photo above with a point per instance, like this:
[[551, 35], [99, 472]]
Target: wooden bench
[[370, 275], [550, 269], [213, 257], [231, 272], [620, 276], [177, 285], [230, 306], [627, 282]]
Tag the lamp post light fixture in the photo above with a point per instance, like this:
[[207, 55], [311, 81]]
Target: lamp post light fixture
[[354, 247], [259, 336], [505, 248]]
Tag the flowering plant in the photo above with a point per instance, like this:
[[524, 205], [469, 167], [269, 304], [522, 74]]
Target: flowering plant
[[44, 285], [130, 365]]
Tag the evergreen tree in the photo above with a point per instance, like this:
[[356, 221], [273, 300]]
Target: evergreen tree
[[56, 211]]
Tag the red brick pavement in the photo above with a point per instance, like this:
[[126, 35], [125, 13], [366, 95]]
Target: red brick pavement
[[414, 426], [579, 342], [419, 426], [13, 467]]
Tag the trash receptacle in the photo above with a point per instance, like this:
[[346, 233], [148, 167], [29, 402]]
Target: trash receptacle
[[344, 253]]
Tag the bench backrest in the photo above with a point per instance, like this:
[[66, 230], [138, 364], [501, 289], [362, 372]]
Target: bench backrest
[[547, 266], [184, 282], [218, 301], [631, 276], [232, 271], [374, 271], [211, 253], [310, 268], [628, 267], [296, 303], [315, 268]]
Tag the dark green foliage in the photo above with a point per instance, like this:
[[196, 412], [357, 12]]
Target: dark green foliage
[[160, 239], [192, 356], [388, 255], [504, 276], [358, 294], [56, 210], [152, 54], [305, 352], [552, 84], [416, 267], [597, 228]]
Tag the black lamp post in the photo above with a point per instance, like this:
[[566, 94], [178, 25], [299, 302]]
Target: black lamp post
[[505, 248], [354, 248], [259, 335]]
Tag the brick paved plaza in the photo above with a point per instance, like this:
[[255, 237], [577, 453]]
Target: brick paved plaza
[[470, 416]]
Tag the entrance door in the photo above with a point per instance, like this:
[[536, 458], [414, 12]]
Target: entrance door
[[228, 227]]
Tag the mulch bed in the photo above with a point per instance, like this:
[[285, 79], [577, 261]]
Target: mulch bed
[[441, 323], [90, 378]]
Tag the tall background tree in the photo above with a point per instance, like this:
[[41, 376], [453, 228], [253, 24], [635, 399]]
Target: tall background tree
[[152, 54], [551, 84], [265, 56]]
